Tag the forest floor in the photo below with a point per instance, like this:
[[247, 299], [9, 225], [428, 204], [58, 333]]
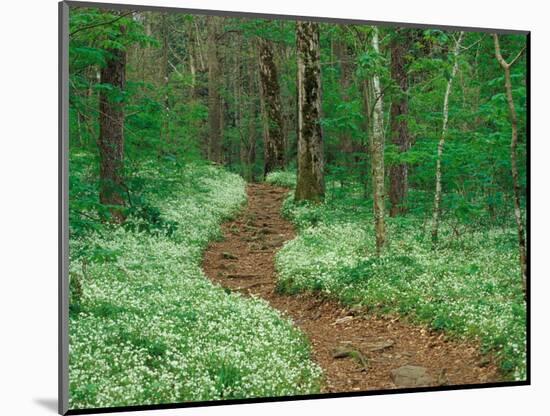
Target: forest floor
[[357, 351]]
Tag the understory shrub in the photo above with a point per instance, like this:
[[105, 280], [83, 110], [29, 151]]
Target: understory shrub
[[147, 327], [469, 286]]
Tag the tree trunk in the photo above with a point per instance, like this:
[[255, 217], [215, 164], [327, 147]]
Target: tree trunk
[[377, 155], [240, 100], [192, 50], [310, 184], [111, 135], [513, 157], [199, 47], [248, 152], [214, 98], [165, 77], [274, 150], [364, 162], [437, 197], [399, 128], [346, 71]]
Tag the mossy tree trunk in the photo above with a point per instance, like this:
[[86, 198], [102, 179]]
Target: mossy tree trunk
[[274, 146], [111, 134], [310, 183]]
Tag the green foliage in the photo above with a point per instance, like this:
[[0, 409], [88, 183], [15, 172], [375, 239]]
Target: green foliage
[[286, 179], [108, 30], [149, 328], [470, 287]]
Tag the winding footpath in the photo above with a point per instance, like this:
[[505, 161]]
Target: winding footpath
[[356, 350]]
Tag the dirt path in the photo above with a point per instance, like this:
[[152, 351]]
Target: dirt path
[[341, 339]]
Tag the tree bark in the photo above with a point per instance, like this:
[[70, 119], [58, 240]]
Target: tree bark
[[399, 127], [111, 135], [310, 183], [437, 197], [513, 158], [274, 150], [377, 155], [364, 163], [214, 97]]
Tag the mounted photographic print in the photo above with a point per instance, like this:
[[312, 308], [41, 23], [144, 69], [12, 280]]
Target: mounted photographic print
[[261, 208]]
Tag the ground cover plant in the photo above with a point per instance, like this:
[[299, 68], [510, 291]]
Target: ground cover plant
[[467, 288], [404, 154], [146, 326]]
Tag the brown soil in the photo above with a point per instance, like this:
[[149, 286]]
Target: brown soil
[[244, 262]]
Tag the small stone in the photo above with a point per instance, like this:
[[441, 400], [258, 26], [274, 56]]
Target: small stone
[[229, 256], [343, 320], [356, 310], [484, 362], [411, 376], [341, 352]]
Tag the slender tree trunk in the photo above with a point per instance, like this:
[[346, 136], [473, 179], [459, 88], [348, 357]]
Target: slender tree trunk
[[199, 47], [437, 197], [238, 93], [165, 77], [364, 146], [111, 135], [248, 143], [399, 127], [274, 150], [80, 120], [286, 54], [191, 45], [513, 158], [146, 51], [251, 161], [214, 98], [193, 72], [249, 155], [342, 55], [377, 155], [310, 184]]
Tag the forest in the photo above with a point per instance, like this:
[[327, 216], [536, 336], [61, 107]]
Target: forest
[[263, 208]]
